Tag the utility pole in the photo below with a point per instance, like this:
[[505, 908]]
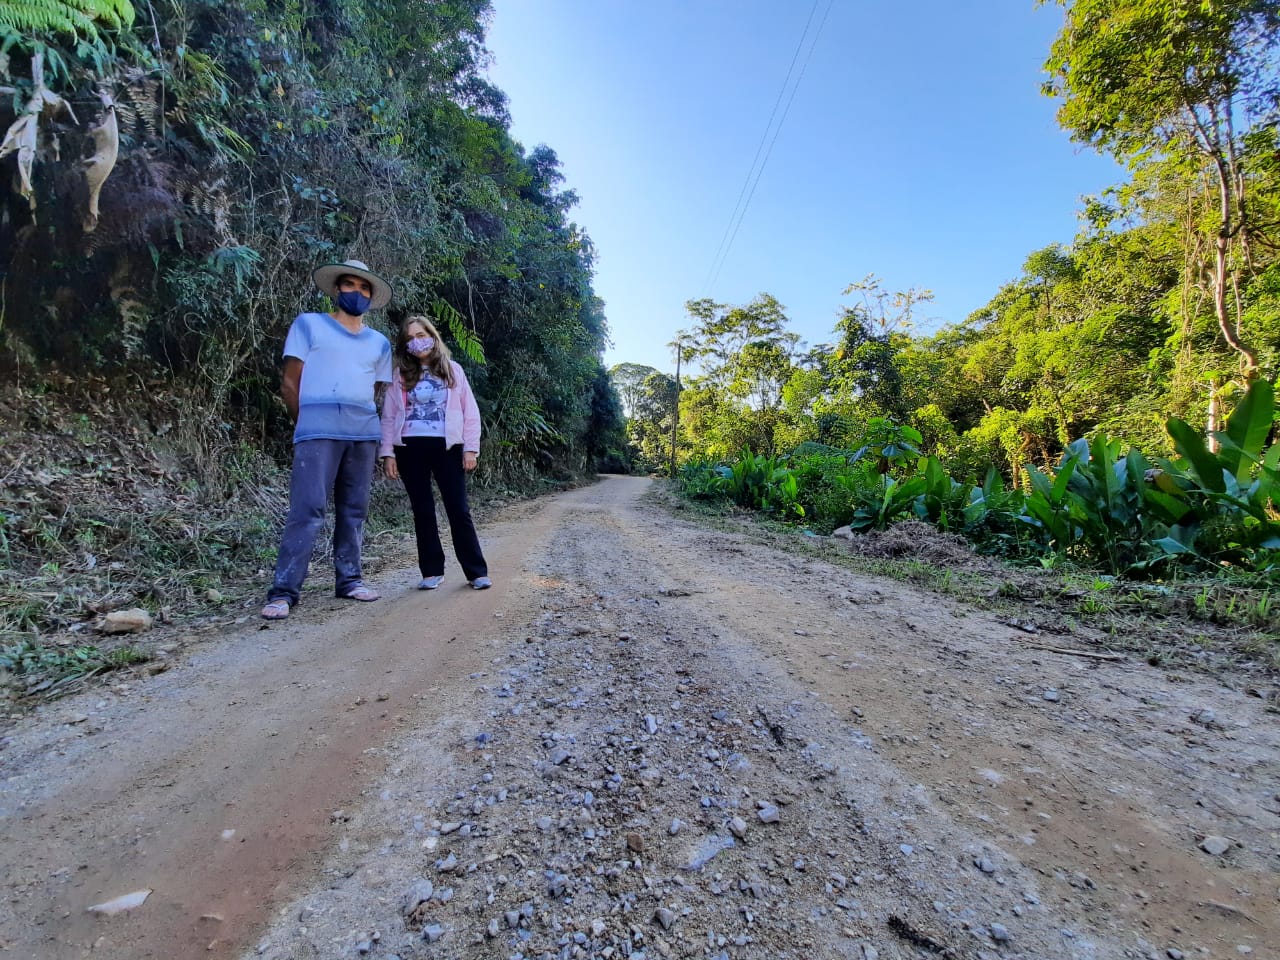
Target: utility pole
[[675, 412]]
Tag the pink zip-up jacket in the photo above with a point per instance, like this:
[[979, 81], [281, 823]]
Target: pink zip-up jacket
[[461, 415]]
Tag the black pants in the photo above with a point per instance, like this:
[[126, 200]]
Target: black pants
[[420, 459]]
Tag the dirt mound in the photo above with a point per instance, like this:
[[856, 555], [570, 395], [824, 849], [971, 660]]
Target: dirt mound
[[916, 540]]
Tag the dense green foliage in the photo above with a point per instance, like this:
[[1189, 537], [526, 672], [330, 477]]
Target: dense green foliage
[[257, 140], [1103, 505]]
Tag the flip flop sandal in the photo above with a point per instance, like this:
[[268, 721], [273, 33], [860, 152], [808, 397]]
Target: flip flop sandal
[[362, 593], [276, 610]]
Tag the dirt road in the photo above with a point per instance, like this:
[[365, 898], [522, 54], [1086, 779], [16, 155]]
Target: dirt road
[[650, 739]]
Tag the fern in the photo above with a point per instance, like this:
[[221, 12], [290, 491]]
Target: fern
[[77, 17], [139, 101], [467, 340]]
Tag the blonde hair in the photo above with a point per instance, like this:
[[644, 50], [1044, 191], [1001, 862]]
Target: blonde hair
[[438, 361]]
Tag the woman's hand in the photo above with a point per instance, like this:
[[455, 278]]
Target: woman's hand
[[390, 469], [468, 460]]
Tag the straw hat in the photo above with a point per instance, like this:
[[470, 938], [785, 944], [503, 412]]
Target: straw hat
[[326, 279]]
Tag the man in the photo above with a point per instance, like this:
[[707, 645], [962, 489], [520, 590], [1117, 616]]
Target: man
[[335, 372]]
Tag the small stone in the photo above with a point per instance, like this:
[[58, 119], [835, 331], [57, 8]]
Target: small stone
[[738, 827], [364, 946], [1205, 717], [598, 928], [664, 917], [651, 723], [135, 620], [122, 903], [560, 755], [492, 930], [999, 933], [1052, 695], [513, 918], [557, 885], [985, 865], [213, 596], [769, 814], [635, 843], [675, 826], [1174, 954], [432, 933], [1215, 846], [419, 892]]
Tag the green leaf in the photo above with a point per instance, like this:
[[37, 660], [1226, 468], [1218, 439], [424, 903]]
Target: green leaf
[[468, 341], [1173, 507], [1248, 427], [1171, 546], [1191, 445]]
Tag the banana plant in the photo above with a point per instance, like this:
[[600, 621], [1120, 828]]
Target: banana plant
[[1222, 505], [1051, 509], [948, 503], [1108, 486], [886, 501]]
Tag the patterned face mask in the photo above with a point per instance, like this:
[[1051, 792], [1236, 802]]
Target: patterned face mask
[[420, 346]]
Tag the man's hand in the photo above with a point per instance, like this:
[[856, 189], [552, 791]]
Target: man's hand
[[290, 381], [390, 468], [468, 460]]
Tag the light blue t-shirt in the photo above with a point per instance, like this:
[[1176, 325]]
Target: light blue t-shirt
[[335, 399]]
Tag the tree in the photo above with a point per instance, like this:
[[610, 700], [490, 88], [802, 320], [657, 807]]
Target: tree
[[628, 378], [1149, 78], [870, 334], [649, 425], [747, 356], [721, 332]]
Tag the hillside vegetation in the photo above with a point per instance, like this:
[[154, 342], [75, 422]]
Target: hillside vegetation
[[178, 170]]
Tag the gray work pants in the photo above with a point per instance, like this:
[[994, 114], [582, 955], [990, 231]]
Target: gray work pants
[[345, 468]]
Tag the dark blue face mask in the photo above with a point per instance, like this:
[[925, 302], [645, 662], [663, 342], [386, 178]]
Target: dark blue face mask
[[353, 302]]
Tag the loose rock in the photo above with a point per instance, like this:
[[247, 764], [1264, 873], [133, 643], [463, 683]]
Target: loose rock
[[135, 620], [1215, 846]]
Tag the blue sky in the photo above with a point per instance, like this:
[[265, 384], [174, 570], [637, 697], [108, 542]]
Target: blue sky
[[917, 147]]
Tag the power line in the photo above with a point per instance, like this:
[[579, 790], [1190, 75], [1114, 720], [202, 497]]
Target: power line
[[749, 185], [760, 146]]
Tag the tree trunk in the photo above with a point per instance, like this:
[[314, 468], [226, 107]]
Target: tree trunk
[[1221, 250], [1211, 424]]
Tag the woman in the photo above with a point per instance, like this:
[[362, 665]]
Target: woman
[[431, 428]]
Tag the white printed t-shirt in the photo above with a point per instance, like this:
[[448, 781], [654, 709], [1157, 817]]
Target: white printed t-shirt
[[424, 407]]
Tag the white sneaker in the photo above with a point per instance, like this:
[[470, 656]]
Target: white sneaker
[[430, 583], [481, 583]]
